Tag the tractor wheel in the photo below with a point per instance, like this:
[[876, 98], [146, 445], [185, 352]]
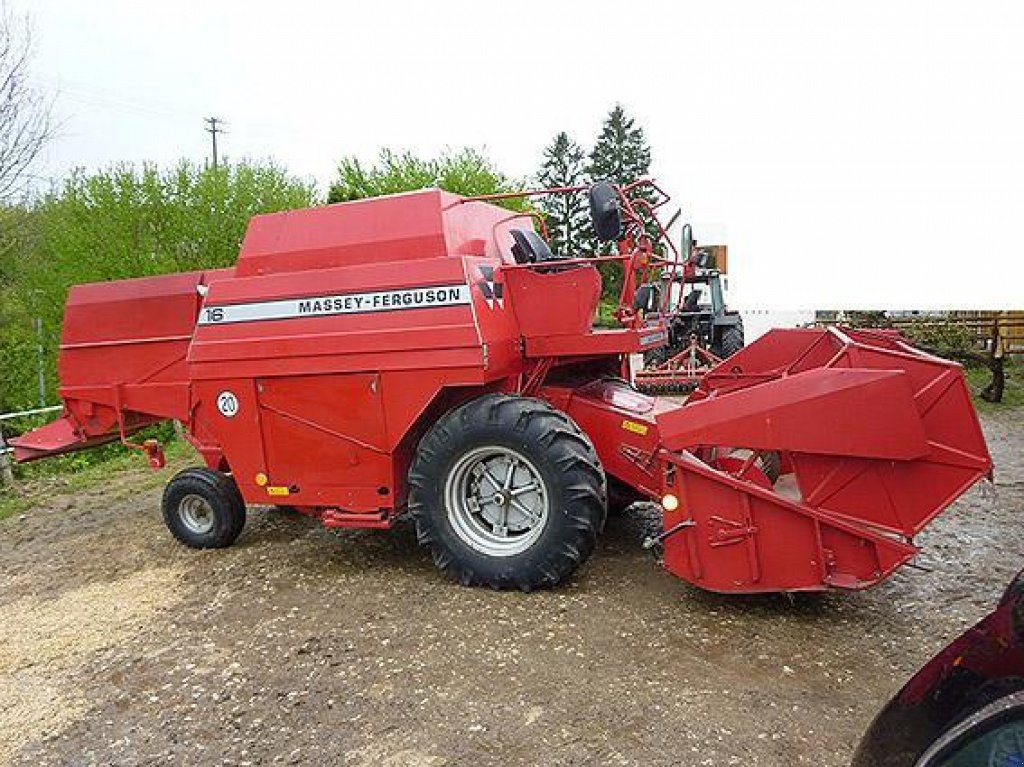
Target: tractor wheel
[[621, 496], [203, 508], [730, 342], [507, 492], [658, 355]]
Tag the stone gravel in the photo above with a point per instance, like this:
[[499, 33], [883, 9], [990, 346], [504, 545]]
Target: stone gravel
[[299, 645]]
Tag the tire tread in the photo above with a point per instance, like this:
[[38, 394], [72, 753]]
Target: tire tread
[[566, 447]]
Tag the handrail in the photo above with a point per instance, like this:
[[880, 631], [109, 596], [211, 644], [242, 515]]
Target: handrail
[[34, 411]]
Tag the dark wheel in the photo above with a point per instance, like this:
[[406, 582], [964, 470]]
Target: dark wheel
[[507, 492], [730, 341], [203, 508], [658, 355], [621, 496]]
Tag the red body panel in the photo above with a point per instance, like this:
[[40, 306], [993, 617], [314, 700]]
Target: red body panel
[[335, 334], [311, 370], [876, 439]]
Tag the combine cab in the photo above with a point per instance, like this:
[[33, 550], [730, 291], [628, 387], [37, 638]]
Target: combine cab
[[428, 354]]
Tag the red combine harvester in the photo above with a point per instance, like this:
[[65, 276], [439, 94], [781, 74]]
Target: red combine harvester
[[428, 353]]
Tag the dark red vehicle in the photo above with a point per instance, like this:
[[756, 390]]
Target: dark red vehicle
[[428, 353], [965, 707]]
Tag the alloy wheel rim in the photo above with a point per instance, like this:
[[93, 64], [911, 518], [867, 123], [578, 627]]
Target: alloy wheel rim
[[496, 500]]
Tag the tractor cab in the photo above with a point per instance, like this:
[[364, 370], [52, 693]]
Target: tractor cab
[[691, 295]]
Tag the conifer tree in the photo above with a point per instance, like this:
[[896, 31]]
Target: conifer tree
[[621, 156], [565, 214]]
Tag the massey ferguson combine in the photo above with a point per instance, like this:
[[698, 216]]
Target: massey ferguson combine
[[428, 354]]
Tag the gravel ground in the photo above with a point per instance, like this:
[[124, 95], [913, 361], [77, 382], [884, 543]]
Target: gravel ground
[[303, 646]]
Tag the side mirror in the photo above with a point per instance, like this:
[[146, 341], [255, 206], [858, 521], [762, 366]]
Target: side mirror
[[604, 211], [686, 248]]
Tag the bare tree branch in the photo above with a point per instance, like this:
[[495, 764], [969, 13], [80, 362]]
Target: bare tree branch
[[26, 114]]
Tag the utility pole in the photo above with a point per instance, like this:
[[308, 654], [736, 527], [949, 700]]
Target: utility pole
[[213, 128]]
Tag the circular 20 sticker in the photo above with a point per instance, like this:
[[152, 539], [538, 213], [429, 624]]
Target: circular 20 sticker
[[227, 404]]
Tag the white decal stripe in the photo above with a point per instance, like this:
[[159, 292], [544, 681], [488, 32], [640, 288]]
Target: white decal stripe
[[345, 303]]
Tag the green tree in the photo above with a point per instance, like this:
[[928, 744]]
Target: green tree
[[565, 214], [127, 221], [26, 126], [621, 155], [17, 352], [466, 172]]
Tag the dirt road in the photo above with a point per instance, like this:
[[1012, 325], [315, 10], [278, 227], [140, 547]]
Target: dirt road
[[302, 646]]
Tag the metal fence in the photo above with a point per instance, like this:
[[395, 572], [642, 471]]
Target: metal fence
[[6, 472]]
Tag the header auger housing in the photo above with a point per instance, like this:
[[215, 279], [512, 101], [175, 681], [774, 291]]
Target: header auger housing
[[428, 353]]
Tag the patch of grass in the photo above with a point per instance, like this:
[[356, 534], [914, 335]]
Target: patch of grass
[[12, 502], [38, 483], [1013, 394]]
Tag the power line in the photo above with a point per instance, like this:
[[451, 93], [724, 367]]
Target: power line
[[107, 98], [163, 111], [213, 130]]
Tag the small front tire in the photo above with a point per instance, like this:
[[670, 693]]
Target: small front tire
[[203, 508]]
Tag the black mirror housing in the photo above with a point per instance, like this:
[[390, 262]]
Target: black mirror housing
[[604, 211]]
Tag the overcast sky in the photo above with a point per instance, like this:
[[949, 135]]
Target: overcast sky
[[850, 153]]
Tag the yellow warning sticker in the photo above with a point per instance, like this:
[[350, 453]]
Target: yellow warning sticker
[[278, 490], [633, 426]]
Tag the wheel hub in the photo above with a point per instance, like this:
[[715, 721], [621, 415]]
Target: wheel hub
[[196, 514], [496, 500]]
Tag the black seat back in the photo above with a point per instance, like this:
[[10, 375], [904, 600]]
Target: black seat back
[[528, 247]]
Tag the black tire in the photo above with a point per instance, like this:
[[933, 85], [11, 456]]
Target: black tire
[[621, 496], [658, 355], [556, 455], [203, 508], [730, 341]]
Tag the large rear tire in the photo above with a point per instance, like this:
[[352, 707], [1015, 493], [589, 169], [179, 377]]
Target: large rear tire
[[658, 355], [730, 341], [507, 492]]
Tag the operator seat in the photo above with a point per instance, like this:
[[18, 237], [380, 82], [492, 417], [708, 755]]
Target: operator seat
[[692, 301], [528, 247]]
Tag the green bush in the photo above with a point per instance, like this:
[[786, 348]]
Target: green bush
[[467, 172], [127, 221], [946, 339]]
